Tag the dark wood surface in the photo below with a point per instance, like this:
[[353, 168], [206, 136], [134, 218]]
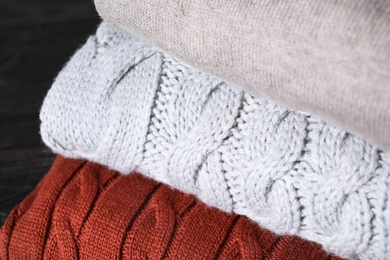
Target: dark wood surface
[[36, 38]]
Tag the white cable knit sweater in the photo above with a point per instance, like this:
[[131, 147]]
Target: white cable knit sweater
[[127, 105]]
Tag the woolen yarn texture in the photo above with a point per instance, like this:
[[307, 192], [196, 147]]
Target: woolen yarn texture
[[127, 105], [329, 58], [81, 210]]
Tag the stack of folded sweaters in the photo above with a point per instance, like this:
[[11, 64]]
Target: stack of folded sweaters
[[217, 130]]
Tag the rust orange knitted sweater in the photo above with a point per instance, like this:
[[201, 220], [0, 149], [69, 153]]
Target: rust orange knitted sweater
[[82, 210]]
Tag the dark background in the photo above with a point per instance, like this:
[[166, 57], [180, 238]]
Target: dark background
[[37, 37]]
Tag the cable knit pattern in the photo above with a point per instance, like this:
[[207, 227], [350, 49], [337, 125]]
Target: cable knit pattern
[[82, 210], [286, 170]]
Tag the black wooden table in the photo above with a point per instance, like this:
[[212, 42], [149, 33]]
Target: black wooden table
[[36, 38]]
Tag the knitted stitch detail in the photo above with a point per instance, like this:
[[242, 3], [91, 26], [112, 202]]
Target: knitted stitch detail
[[82, 210], [288, 171]]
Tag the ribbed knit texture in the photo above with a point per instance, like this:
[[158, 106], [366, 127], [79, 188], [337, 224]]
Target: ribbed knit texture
[[288, 171], [82, 210]]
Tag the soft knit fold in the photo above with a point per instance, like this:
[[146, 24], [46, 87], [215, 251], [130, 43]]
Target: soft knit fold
[[123, 103], [82, 210]]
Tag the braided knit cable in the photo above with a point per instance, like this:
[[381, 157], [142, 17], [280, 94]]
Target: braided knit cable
[[288, 171]]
